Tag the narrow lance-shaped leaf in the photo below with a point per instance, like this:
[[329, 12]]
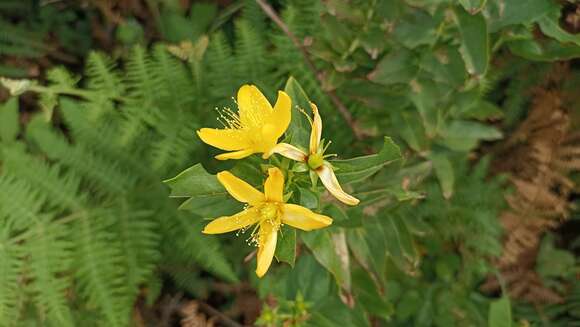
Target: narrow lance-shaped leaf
[[205, 195], [475, 41], [359, 168], [299, 129], [444, 172]]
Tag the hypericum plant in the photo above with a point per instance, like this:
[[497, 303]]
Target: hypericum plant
[[256, 128]]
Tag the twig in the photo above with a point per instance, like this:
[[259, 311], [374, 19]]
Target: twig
[[271, 13], [227, 321]]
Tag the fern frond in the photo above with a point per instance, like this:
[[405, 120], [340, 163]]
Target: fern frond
[[98, 260], [141, 80], [61, 190], [105, 176], [185, 238], [139, 243], [174, 80], [220, 65], [251, 58], [10, 270], [19, 204], [48, 250], [102, 77]]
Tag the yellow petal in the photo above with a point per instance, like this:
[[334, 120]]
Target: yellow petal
[[225, 139], [253, 106], [289, 151], [280, 117], [231, 223], [329, 180], [267, 245], [274, 185], [303, 218], [316, 132], [235, 155], [239, 189]]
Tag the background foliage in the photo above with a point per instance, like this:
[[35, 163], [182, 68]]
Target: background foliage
[[468, 213]]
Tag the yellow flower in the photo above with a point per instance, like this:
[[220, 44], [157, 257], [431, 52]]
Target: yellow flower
[[254, 129], [315, 160], [267, 211]]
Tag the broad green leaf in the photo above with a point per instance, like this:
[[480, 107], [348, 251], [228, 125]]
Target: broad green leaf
[[444, 172], [194, 181], [9, 125], [286, 246], [359, 168], [299, 129], [416, 28], [475, 41], [398, 66], [399, 243], [329, 251], [206, 196], [503, 12], [463, 135], [500, 313]]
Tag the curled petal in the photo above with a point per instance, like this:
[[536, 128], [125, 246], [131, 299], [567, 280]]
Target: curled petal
[[239, 189], [225, 139], [231, 223], [274, 185], [235, 155], [329, 180], [280, 117], [316, 132], [303, 218], [289, 151], [266, 246], [253, 106]]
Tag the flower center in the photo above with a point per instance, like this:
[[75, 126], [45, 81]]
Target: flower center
[[269, 211], [315, 160]]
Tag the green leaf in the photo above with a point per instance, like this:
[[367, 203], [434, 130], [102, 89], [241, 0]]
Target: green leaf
[[399, 243], [472, 130], [550, 25], [308, 198], [473, 6], [359, 168], [397, 67], [206, 196], [194, 181], [367, 294], [9, 125], [444, 172], [475, 41], [547, 50], [503, 13], [343, 219], [500, 313], [299, 129], [331, 252], [286, 246], [463, 135]]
